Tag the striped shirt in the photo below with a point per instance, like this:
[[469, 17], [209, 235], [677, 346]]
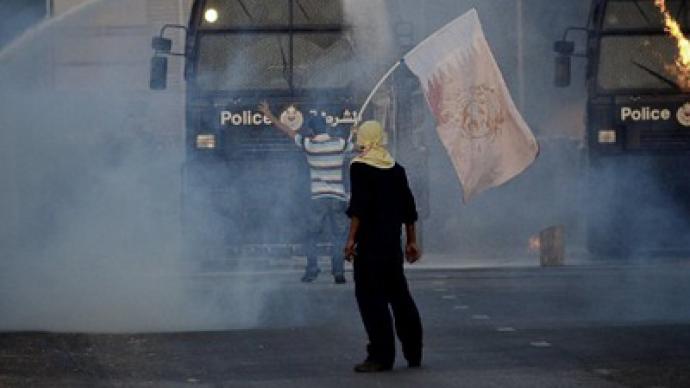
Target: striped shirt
[[325, 158]]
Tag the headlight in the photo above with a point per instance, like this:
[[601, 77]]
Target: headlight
[[206, 141], [607, 136], [211, 15]]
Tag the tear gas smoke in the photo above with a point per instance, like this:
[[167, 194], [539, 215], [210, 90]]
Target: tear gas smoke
[[91, 164], [91, 160]]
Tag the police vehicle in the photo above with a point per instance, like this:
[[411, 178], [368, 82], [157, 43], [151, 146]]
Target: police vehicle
[[245, 184], [637, 125]]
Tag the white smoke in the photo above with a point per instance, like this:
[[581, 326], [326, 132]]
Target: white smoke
[[92, 238]]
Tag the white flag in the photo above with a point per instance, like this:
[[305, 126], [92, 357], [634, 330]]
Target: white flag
[[484, 134]]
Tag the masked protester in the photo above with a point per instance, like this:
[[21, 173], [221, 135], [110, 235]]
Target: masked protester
[[380, 204], [325, 156]]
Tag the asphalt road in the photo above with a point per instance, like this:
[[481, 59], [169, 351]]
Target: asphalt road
[[582, 326]]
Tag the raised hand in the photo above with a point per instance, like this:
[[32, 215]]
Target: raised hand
[[265, 108]]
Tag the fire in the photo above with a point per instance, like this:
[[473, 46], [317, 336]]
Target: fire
[[681, 68], [534, 244]]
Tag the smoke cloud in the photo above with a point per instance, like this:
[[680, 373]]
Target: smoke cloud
[[91, 159], [91, 163]]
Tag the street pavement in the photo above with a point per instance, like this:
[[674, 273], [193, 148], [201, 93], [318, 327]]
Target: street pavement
[[589, 325]]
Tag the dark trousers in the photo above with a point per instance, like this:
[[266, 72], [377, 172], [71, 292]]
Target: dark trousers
[[380, 283]]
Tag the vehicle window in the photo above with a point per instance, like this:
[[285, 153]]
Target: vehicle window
[[227, 14], [318, 12], [637, 62], [261, 61], [642, 14]]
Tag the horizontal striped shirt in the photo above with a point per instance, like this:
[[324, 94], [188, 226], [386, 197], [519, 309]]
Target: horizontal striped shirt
[[325, 158]]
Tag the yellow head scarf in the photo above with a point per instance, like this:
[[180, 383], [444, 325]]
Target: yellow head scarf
[[370, 138]]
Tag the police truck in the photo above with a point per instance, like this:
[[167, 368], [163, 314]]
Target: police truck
[[245, 185], [637, 126]]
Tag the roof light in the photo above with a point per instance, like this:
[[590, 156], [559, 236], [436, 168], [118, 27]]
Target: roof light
[[211, 15]]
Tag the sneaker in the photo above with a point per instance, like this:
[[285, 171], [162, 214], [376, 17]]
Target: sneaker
[[372, 367], [339, 279], [310, 276]]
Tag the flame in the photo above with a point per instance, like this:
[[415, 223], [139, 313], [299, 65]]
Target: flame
[[681, 68], [534, 244]]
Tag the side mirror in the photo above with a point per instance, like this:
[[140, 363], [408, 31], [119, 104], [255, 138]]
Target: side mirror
[[159, 73], [564, 47], [161, 45], [565, 50], [563, 72]]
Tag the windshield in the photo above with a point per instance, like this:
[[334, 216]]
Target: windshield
[[261, 61], [642, 15], [276, 13], [637, 62], [254, 45], [635, 52]]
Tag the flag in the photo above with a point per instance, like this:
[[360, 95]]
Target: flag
[[481, 129]]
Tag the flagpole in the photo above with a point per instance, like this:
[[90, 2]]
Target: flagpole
[[376, 88]]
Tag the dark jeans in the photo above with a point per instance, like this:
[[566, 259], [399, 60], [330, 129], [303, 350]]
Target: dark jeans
[[326, 215], [380, 283]]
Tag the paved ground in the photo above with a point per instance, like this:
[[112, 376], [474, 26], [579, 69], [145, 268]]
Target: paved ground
[[583, 326]]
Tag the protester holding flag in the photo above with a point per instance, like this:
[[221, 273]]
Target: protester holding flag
[[381, 202]]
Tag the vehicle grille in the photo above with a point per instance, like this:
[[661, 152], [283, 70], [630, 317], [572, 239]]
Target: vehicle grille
[[674, 139], [248, 143]]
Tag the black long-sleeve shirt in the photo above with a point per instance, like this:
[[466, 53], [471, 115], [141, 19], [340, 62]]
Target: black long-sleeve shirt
[[382, 200]]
